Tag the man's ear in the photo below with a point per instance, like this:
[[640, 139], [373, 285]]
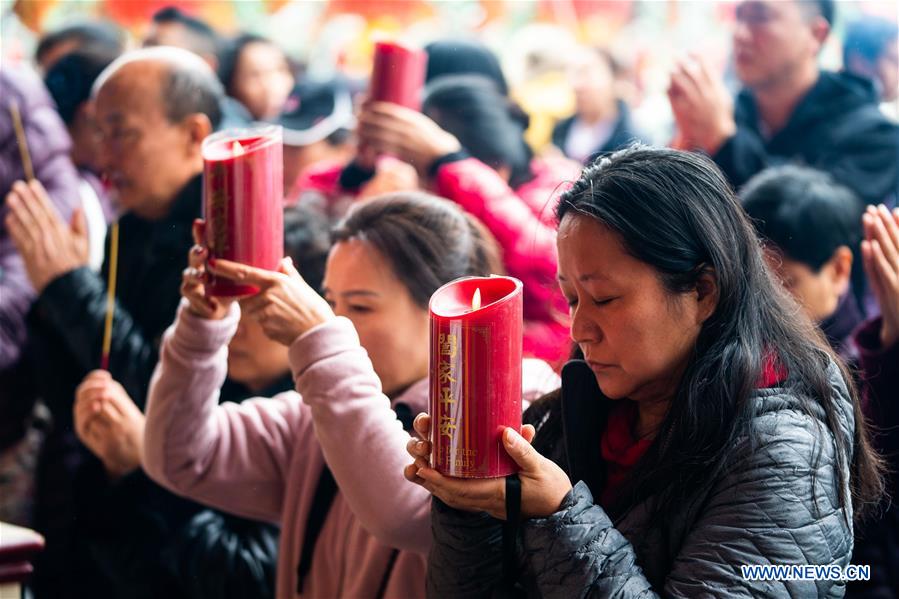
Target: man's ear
[[839, 269], [198, 127], [820, 30], [707, 293]]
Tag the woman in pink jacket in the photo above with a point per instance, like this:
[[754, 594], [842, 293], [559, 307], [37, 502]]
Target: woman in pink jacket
[[325, 461]]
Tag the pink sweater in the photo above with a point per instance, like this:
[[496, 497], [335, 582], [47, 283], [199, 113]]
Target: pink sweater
[[262, 458]]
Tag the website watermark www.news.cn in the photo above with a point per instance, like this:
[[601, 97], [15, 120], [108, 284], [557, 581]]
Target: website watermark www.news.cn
[[806, 572]]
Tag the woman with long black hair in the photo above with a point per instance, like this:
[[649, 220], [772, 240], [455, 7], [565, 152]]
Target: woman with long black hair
[[709, 426]]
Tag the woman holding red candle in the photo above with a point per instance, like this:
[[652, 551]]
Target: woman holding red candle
[[707, 427], [324, 461]]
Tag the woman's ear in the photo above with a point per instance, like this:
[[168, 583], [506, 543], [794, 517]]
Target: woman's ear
[[706, 294]]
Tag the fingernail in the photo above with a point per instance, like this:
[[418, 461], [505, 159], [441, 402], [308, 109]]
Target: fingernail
[[510, 437]]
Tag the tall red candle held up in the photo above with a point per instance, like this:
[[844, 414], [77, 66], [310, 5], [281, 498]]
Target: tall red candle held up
[[398, 75], [475, 378], [243, 201]]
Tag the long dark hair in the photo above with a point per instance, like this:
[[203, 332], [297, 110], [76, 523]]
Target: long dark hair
[[428, 241], [676, 212], [489, 125]]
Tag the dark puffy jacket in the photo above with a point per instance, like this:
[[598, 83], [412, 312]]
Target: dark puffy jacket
[[760, 511], [836, 128]]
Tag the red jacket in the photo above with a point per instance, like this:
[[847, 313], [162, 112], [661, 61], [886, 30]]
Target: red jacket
[[523, 222]]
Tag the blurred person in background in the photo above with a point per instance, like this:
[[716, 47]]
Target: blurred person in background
[[256, 73], [802, 216], [70, 81], [812, 230], [819, 240], [101, 37], [602, 120], [317, 123], [461, 57], [878, 346], [173, 27], [871, 50], [789, 110], [468, 145], [22, 421]]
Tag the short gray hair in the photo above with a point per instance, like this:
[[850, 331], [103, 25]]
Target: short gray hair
[[190, 86]]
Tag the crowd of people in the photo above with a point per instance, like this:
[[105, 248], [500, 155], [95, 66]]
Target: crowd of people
[[711, 328]]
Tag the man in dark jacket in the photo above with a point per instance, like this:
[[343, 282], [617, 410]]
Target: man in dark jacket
[[789, 110], [117, 533]]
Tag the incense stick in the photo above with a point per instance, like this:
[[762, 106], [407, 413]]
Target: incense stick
[[110, 294], [21, 140]]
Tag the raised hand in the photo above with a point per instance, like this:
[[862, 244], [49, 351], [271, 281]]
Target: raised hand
[[194, 277], [109, 423], [405, 133], [880, 256], [543, 484], [286, 306], [48, 245], [702, 106]]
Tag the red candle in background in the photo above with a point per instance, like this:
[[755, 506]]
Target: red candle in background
[[398, 75], [243, 199], [475, 377]]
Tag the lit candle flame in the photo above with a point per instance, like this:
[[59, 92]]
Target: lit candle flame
[[237, 149], [476, 300]]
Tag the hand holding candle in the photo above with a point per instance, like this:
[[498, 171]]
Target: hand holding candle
[[286, 306], [476, 355], [543, 484], [195, 277], [243, 202], [398, 75]]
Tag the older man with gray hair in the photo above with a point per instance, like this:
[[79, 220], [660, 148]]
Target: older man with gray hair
[[131, 538]]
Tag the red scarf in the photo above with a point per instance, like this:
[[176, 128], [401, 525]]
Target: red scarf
[[621, 451]]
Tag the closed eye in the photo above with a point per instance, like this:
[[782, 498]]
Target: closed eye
[[604, 301]]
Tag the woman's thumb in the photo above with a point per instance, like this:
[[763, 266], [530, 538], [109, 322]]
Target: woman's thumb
[[286, 267], [520, 450]]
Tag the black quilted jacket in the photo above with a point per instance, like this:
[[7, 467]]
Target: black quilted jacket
[[760, 511]]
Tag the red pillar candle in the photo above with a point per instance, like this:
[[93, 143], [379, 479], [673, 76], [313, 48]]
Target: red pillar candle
[[398, 75], [475, 374], [243, 199]]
